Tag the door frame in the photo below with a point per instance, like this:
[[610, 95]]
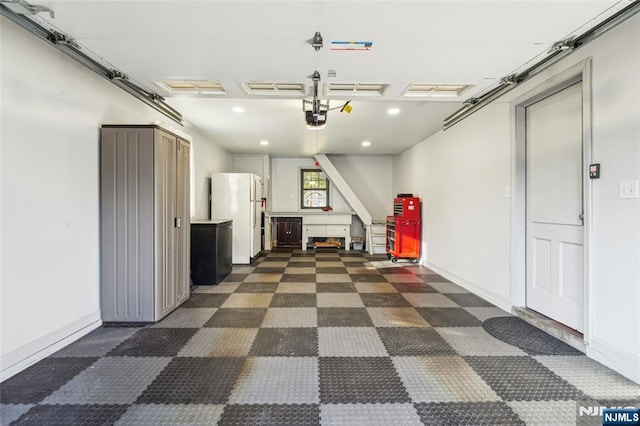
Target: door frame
[[580, 72]]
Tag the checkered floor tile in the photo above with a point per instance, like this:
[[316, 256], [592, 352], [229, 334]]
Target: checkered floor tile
[[306, 338]]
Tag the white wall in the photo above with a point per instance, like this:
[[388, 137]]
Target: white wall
[[370, 178], [208, 158], [51, 110], [460, 177], [466, 168], [285, 186]]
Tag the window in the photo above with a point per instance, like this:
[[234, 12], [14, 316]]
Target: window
[[314, 189]]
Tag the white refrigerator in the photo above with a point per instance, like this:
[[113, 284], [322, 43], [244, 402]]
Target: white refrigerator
[[238, 196]]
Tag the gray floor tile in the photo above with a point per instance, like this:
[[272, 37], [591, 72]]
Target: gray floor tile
[[344, 317], [414, 288], [545, 413], [236, 277], [300, 270], [521, 378], [277, 380], [413, 342], [442, 379], [194, 381], [369, 414], [348, 380], [10, 412], [220, 342], [271, 414], [97, 343], [237, 317], [302, 278], [350, 342], [429, 300], [290, 317], [375, 287], [186, 318], [485, 313], [339, 300], [223, 287], [367, 278], [594, 379], [248, 300], [165, 415], [257, 277], [111, 380], [403, 278], [296, 287], [285, 342], [330, 270], [467, 413], [333, 278], [396, 317], [476, 341]]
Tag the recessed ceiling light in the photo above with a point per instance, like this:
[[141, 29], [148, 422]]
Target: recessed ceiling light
[[366, 143], [393, 111], [264, 142], [237, 109]]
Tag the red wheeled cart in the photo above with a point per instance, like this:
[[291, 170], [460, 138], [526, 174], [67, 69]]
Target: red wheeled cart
[[403, 229]]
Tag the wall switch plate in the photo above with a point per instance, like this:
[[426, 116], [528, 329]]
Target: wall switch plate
[[628, 189]]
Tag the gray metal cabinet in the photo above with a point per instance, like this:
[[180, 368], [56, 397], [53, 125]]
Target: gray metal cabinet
[[144, 183]]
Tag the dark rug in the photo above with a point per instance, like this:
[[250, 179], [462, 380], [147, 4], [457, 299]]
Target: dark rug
[[530, 339]]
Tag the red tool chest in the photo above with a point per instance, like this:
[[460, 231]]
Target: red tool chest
[[403, 229]]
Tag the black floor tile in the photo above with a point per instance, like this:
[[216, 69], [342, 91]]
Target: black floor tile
[[266, 414], [356, 264], [344, 317], [350, 254], [285, 342], [236, 278], [293, 300], [469, 300], [467, 413], [449, 317], [384, 300], [350, 380], [206, 300], [304, 254], [269, 269], [154, 342], [38, 381], [301, 264], [256, 287], [433, 278], [320, 260], [414, 288], [395, 270], [375, 278], [303, 278], [336, 288], [521, 378], [193, 381], [237, 317], [409, 341], [72, 415], [331, 270]]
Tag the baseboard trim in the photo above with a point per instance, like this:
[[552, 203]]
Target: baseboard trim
[[17, 360], [621, 361], [500, 302]]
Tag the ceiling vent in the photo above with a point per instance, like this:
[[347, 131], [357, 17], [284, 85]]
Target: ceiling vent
[[192, 87], [273, 88], [429, 90], [355, 89]]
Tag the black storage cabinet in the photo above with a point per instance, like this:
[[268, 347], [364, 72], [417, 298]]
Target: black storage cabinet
[[211, 251]]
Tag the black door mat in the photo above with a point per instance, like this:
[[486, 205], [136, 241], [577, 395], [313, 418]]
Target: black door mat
[[530, 339]]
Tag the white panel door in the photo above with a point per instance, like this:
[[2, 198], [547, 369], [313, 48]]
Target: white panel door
[[555, 231]]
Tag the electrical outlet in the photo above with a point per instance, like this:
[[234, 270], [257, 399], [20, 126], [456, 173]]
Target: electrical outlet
[[628, 189]]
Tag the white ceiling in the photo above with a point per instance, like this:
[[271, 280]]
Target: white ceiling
[[233, 41]]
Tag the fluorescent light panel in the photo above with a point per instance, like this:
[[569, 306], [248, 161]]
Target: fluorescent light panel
[[198, 87], [430, 90]]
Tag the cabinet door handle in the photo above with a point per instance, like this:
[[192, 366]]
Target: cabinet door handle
[[177, 223]]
